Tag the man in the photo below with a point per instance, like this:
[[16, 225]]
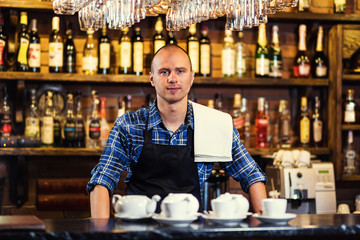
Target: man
[[155, 144]]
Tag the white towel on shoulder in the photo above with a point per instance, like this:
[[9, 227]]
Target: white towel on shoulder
[[213, 134]]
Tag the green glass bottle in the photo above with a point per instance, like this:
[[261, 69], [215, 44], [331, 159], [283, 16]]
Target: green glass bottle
[[262, 54]]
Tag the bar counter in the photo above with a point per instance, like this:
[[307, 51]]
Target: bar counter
[[304, 226]]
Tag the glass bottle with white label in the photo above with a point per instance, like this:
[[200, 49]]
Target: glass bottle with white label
[[32, 120], [56, 47], [228, 55], [104, 52], [193, 47], [158, 39], [240, 56], [23, 45], [47, 121], [34, 54], [262, 54], [205, 52], [320, 63], [304, 123], [90, 56], [351, 160], [138, 52], [349, 108], [301, 66], [125, 52], [275, 63], [317, 125]]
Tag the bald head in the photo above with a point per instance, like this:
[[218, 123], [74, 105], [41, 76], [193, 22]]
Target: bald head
[[170, 48]]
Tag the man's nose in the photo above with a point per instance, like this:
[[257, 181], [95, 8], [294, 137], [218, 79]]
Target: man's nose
[[172, 78]]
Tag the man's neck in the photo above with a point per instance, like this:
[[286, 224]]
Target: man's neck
[[173, 115]]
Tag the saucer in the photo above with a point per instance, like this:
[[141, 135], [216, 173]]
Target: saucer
[[175, 222], [130, 218], [277, 220], [233, 221]]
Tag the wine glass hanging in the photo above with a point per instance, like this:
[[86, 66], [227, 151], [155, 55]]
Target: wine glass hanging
[[180, 14]]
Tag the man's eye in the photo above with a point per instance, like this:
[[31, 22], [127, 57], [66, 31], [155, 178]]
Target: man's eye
[[164, 72], [181, 71]]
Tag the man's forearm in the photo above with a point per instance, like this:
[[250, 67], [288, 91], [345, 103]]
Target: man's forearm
[[257, 192], [100, 202]]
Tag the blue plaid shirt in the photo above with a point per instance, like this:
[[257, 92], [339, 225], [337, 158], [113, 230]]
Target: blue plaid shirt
[[126, 140]]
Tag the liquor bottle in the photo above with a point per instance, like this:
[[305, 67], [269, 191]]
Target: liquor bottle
[[171, 38], [94, 122], [317, 124], [138, 52], [205, 52], [104, 125], [284, 125], [104, 52], [193, 47], [59, 122], [351, 160], [5, 120], [79, 123], [240, 64], [34, 55], [211, 104], [350, 108], [90, 55], [320, 64], [261, 124], [269, 128], [56, 47], [228, 55], [3, 45], [247, 123], [301, 67], [47, 121], [262, 53], [275, 63], [69, 58], [121, 106], [238, 117], [70, 124], [158, 39], [339, 6], [218, 99], [32, 120], [304, 5], [128, 107], [304, 123], [125, 51], [23, 46]]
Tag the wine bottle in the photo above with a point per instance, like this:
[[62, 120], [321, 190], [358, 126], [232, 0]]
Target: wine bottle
[[275, 70], [304, 123], [262, 124], [56, 48], [70, 124], [228, 55], [339, 6], [301, 67], [23, 45], [238, 117], [284, 126], [104, 52], [205, 52], [5, 120], [69, 52], [158, 39], [304, 5], [351, 160], [32, 121], [317, 124], [34, 56], [262, 53], [349, 108], [320, 63], [121, 106], [94, 122], [129, 106], [240, 56], [193, 48], [125, 51], [138, 52], [3, 45], [104, 125], [171, 38], [90, 55], [79, 123], [47, 121]]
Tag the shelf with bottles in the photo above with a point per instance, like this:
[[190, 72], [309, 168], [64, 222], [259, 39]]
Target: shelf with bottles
[[350, 178], [347, 127], [351, 77]]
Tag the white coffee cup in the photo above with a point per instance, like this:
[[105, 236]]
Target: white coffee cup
[[179, 205], [287, 158], [230, 205], [176, 209], [304, 158], [343, 208], [273, 207]]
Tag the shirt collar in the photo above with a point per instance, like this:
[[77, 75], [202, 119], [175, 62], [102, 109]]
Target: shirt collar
[[155, 118]]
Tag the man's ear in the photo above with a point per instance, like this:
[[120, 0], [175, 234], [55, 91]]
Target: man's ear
[[192, 77], [151, 78]]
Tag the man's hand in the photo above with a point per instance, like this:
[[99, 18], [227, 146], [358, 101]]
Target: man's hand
[[257, 193], [100, 202]]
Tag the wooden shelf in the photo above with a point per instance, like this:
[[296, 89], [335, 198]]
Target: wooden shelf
[[350, 178], [347, 127], [270, 151], [351, 77], [144, 79]]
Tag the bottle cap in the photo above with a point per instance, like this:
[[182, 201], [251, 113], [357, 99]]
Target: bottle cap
[[55, 23], [192, 29], [237, 100], [23, 18], [33, 25], [159, 25], [303, 101]]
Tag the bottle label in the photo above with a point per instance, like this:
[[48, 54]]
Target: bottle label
[[228, 62], [317, 127], [56, 54], [275, 68], [194, 55], [239, 122], [80, 130], [104, 55], [47, 130], [305, 130], [94, 129], [23, 50], [321, 71], [138, 57], [349, 116], [69, 131], [304, 69], [125, 54], [90, 64], [2, 49], [57, 129], [262, 66], [5, 126], [32, 127], [205, 59], [158, 44], [34, 55], [240, 64]]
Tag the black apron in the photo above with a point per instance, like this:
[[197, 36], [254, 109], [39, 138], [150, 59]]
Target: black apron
[[164, 169]]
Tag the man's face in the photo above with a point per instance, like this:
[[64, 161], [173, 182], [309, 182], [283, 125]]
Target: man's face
[[171, 76]]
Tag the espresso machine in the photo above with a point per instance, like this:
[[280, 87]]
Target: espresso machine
[[308, 189]]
